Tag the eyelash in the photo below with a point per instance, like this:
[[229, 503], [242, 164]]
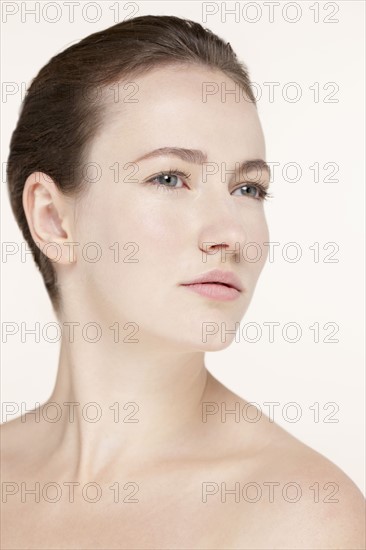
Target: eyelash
[[263, 193]]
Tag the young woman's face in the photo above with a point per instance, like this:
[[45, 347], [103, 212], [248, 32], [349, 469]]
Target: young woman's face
[[154, 237]]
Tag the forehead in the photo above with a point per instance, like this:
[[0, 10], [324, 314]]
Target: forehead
[[185, 106]]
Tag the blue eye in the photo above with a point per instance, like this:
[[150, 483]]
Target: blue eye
[[168, 179], [257, 191]]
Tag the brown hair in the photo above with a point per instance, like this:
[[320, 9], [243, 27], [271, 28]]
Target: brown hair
[[57, 122]]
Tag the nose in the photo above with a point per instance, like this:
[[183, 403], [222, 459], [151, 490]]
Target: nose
[[222, 224]]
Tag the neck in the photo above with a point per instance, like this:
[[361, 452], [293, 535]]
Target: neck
[[127, 402]]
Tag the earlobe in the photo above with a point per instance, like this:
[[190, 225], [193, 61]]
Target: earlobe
[[46, 213]]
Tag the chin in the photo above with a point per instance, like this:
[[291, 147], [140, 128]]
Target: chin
[[213, 343], [216, 344]]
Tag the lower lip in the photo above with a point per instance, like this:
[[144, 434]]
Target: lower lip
[[214, 291]]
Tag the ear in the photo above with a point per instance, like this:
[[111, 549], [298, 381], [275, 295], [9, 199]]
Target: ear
[[49, 217]]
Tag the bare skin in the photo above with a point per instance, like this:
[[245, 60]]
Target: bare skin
[[180, 500], [173, 460]]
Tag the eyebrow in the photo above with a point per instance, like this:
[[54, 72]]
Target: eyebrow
[[195, 156]]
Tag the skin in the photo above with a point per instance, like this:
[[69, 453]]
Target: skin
[[169, 453]]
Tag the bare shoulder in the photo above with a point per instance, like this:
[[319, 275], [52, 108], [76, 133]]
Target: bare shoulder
[[315, 504], [22, 440], [11, 440], [329, 509], [10, 433], [282, 493]]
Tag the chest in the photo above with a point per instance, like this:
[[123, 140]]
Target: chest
[[131, 519]]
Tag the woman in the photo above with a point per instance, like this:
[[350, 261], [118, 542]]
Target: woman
[[137, 178]]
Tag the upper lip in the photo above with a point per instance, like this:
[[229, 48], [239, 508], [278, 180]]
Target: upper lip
[[217, 276]]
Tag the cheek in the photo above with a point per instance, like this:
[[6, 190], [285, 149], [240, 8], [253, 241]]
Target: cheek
[[147, 234], [261, 231], [258, 234]]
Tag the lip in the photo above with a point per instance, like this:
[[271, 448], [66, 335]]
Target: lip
[[215, 291], [226, 279]]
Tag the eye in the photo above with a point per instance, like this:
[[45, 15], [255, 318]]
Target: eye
[[257, 191], [169, 179]]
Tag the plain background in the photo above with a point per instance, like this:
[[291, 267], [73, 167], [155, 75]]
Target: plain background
[[310, 54]]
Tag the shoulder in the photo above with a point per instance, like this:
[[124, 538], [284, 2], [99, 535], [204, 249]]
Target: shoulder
[[331, 513], [22, 440], [9, 434], [315, 505], [291, 496], [11, 443]]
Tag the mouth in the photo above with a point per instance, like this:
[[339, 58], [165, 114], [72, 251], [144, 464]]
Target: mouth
[[214, 290], [217, 277]]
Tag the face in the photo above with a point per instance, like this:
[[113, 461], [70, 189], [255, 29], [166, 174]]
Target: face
[[157, 231]]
